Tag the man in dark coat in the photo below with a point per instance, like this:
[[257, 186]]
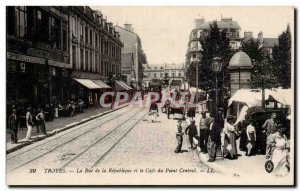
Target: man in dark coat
[[191, 130], [214, 138], [13, 125]]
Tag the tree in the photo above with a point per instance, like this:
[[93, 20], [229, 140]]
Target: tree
[[282, 59]]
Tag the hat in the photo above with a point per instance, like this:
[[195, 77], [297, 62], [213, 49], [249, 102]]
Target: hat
[[220, 109], [203, 112], [192, 121], [280, 127]]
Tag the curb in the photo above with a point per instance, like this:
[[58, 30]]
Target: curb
[[213, 166], [59, 130]]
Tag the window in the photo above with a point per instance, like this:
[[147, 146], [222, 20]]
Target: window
[[179, 74], [81, 59], [86, 34], [91, 37], [173, 74], [96, 62], [155, 68], [154, 75], [20, 21], [86, 60], [102, 67], [91, 62], [55, 33], [81, 31], [161, 75], [96, 40], [74, 56], [65, 43], [74, 26]]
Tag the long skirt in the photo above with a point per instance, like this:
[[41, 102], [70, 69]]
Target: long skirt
[[230, 147], [279, 161]]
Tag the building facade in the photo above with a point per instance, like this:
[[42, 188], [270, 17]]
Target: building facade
[[132, 44], [50, 50], [37, 57], [95, 51], [202, 28], [171, 72]]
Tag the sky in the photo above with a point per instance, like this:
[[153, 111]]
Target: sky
[[164, 31]]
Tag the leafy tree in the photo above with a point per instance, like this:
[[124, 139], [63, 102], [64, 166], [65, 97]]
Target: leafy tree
[[282, 59]]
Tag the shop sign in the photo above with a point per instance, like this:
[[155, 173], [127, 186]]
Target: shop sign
[[25, 58], [43, 54]]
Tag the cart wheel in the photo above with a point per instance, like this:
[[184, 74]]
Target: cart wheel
[[269, 166]]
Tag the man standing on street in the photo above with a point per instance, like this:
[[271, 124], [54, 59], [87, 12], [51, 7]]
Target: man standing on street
[[179, 138], [13, 124], [203, 133], [191, 130], [270, 128]]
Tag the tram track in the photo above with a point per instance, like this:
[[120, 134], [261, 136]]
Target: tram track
[[94, 126], [66, 142]]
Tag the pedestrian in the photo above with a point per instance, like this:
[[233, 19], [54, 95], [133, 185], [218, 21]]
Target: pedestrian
[[179, 137], [191, 112], [214, 138], [153, 112], [41, 124], [13, 125], [251, 136], [229, 136], [29, 123], [270, 129], [280, 152], [203, 129], [191, 131]]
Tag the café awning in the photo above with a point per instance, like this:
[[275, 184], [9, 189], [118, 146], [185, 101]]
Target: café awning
[[101, 84], [87, 83], [120, 85]]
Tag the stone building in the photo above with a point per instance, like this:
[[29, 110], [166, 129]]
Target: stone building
[[202, 28], [59, 53], [171, 72], [95, 52], [37, 58], [132, 44]]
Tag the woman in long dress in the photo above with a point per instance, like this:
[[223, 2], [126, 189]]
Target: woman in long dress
[[280, 152], [229, 139], [251, 135]]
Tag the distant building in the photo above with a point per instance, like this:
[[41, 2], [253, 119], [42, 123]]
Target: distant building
[[127, 68], [132, 44], [173, 72], [266, 43], [202, 28]]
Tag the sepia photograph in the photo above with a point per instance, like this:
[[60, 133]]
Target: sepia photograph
[[150, 95]]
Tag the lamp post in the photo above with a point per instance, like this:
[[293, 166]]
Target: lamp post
[[217, 68]]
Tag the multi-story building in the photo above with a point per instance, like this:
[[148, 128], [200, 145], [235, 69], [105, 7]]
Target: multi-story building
[[171, 72], [132, 44], [266, 43], [202, 28], [59, 53], [37, 57], [95, 51]]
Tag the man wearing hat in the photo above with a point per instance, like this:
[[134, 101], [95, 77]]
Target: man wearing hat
[[270, 129], [191, 130], [13, 125], [203, 129]]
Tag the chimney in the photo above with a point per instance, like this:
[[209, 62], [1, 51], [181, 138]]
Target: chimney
[[248, 34], [128, 27], [199, 22], [260, 37]]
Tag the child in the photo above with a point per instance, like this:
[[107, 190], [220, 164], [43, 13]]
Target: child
[[191, 130], [179, 138]]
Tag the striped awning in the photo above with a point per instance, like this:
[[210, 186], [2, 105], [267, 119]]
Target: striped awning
[[87, 83], [101, 84], [120, 85]]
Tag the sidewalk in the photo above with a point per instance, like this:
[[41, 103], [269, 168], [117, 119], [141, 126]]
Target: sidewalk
[[244, 165], [57, 125]]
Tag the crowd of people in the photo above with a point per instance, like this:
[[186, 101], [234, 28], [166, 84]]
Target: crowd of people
[[18, 116]]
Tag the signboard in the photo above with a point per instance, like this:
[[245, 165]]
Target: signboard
[[25, 58], [44, 54]]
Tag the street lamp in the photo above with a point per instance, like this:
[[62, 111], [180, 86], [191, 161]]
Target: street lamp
[[217, 68]]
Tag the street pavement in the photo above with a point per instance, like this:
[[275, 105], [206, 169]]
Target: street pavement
[[126, 148]]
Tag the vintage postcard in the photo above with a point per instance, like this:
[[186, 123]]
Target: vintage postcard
[[111, 95]]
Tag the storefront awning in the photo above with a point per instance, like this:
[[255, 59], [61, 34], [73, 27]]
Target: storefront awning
[[87, 83], [120, 85], [101, 84]]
